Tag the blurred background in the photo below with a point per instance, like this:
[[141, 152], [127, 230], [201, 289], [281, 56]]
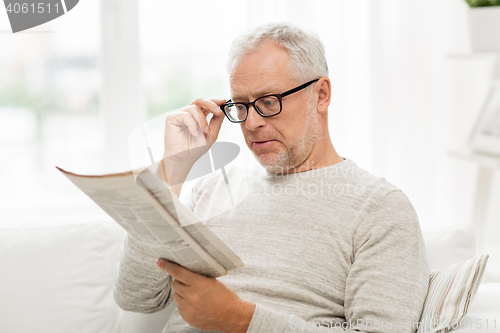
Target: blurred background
[[406, 91]]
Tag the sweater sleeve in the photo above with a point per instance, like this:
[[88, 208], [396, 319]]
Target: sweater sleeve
[[388, 280], [140, 285]]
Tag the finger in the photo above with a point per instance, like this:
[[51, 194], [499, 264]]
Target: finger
[[209, 106], [177, 272], [214, 127], [183, 120], [179, 287], [176, 293], [218, 101], [179, 301], [178, 298], [201, 118], [186, 119]]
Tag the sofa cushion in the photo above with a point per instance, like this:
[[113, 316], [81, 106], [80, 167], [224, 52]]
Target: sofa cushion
[[57, 276], [451, 290], [133, 322], [449, 245]]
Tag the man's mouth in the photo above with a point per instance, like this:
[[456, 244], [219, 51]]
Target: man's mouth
[[263, 144]]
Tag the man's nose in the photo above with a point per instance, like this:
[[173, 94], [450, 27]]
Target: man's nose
[[254, 119]]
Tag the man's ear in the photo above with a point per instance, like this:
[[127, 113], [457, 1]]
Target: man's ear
[[324, 93]]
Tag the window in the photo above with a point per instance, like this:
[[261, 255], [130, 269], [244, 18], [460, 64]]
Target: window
[[59, 105], [49, 106]]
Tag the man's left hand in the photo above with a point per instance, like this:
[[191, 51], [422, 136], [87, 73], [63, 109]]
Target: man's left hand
[[206, 303]]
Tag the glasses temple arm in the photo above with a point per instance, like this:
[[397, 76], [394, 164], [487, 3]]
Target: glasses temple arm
[[298, 88]]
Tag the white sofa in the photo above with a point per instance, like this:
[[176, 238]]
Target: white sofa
[[56, 276]]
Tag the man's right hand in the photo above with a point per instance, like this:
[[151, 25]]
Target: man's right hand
[[188, 136]]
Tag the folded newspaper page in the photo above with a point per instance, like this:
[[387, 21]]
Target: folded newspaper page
[[150, 213]]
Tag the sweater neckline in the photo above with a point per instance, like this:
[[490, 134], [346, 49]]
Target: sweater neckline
[[308, 173]]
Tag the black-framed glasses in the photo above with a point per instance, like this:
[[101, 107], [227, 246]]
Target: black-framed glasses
[[266, 106]]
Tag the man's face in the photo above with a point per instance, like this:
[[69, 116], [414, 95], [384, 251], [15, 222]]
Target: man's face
[[285, 140]]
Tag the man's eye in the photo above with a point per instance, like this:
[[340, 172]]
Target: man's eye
[[269, 101], [240, 107]]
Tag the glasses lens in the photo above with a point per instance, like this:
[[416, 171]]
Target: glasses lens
[[236, 112], [268, 105]]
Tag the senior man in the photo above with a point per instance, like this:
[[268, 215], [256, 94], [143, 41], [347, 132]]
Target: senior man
[[348, 256]]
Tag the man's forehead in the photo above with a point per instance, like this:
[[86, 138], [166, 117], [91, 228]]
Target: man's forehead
[[245, 93], [265, 70]]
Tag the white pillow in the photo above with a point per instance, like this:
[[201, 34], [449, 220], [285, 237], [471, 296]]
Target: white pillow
[[451, 290], [449, 245], [56, 276]]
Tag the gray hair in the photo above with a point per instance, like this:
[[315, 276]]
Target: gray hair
[[306, 51]]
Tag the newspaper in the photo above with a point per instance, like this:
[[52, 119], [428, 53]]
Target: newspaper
[[150, 213]]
